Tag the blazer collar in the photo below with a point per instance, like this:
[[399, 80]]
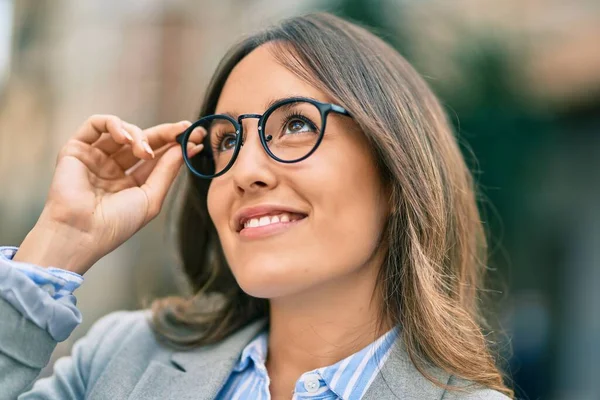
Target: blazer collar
[[227, 351], [199, 374], [196, 374]]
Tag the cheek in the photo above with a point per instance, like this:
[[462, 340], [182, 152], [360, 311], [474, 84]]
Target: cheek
[[349, 214]]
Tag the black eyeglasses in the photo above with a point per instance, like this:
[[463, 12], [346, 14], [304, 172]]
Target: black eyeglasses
[[290, 131]]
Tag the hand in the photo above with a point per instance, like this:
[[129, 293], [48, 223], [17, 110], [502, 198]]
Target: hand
[[111, 179]]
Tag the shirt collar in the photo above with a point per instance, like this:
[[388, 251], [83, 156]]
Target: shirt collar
[[255, 351], [355, 372]]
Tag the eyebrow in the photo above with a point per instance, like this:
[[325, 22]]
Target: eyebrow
[[270, 103]]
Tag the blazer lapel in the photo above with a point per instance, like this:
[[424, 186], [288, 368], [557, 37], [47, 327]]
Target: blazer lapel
[[400, 379], [200, 373], [195, 374]]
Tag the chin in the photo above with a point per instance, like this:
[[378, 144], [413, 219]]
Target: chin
[[270, 278]]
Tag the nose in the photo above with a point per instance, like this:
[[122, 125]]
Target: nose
[[252, 171]]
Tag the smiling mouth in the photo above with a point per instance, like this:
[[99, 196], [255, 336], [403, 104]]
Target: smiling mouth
[[277, 218]]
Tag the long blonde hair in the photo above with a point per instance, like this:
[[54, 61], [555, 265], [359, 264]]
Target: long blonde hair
[[432, 276]]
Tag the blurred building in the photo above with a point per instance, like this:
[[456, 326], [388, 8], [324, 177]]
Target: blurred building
[[521, 79], [145, 61]]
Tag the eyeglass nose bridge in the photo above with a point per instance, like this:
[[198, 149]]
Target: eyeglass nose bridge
[[245, 116]]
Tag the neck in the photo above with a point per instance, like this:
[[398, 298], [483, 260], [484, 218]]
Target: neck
[[319, 328]]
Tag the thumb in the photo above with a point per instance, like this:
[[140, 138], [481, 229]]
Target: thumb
[[161, 178]]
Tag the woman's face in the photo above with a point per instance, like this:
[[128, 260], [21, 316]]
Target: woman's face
[[331, 207]]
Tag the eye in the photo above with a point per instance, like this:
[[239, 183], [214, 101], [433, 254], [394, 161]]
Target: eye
[[225, 141], [298, 125]]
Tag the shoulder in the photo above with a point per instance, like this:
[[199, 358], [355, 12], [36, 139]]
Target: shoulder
[[400, 378], [120, 322], [113, 328], [469, 391]]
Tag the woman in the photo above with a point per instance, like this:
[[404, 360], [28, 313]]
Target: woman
[[329, 228]]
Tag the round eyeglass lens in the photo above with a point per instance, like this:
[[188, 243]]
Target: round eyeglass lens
[[219, 146], [292, 130]]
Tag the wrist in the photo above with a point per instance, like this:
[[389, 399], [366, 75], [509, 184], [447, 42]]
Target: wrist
[[55, 245]]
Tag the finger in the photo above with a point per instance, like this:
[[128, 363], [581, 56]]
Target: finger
[[96, 125], [140, 147], [150, 139], [108, 145], [163, 134], [141, 172], [161, 178], [94, 159], [198, 135], [126, 159]]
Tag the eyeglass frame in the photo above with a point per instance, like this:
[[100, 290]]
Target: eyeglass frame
[[324, 109]]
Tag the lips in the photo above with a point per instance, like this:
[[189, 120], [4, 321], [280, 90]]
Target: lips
[[264, 215]]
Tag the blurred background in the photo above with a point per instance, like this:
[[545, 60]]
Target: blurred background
[[520, 81]]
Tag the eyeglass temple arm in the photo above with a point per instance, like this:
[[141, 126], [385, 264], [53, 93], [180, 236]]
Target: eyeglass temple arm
[[339, 109]]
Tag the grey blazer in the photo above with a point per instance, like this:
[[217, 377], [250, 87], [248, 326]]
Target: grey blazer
[[121, 359]]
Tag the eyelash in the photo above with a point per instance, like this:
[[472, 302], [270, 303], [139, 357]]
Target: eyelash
[[219, 137]]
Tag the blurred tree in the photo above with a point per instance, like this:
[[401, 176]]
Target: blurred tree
[[499, 133]]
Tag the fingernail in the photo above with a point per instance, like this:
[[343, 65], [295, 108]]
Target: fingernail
[[126, 134], [186, 124], [147, 148]]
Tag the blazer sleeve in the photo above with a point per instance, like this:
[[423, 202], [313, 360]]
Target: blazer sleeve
[[25, 349], [24, 286]]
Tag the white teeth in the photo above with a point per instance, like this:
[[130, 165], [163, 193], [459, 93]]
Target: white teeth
[[267, 220], [264, 221]]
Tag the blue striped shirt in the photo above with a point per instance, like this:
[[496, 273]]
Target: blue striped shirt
[[55, 281], [347, 379]]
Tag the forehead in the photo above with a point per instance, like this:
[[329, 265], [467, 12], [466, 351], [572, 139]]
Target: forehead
[[257, 80]]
